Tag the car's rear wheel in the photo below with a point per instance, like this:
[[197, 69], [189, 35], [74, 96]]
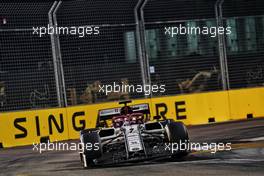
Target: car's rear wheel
[[177, 136], [91, 148]]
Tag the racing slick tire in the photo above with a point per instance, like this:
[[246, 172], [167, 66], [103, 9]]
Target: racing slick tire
[[178, 135], [91, 148]]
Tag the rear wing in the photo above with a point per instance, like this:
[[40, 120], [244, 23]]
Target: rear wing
[[106, 114]]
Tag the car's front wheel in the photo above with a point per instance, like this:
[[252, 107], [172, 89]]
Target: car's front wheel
[[177, 136], [90, 148]]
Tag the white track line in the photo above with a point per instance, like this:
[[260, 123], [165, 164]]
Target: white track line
[[217, 161], [254, 139]]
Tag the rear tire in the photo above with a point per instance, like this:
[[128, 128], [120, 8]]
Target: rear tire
[[90, 138], [177, 134]]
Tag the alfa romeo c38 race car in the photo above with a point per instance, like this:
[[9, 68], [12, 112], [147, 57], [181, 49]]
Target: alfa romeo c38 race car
[[126, 134]]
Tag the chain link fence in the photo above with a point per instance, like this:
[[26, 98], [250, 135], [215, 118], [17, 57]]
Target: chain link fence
[[245, 45], [180, 56], [109, 54], [27, 74], [137, 42]]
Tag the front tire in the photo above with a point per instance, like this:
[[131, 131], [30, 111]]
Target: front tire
[[91, 148], [177, 134]]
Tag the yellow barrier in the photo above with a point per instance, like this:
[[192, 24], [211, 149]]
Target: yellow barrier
[[28, 127], [246, 102], [23, 128], [193, 109]]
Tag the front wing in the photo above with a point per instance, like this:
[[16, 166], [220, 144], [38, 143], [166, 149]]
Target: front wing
[[117, 152]]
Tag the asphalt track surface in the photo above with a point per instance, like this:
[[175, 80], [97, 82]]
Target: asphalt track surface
[[245, 158]]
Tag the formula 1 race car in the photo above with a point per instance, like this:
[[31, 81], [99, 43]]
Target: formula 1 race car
[[127, 134]]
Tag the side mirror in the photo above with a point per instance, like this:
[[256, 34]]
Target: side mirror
[[157, 117]]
